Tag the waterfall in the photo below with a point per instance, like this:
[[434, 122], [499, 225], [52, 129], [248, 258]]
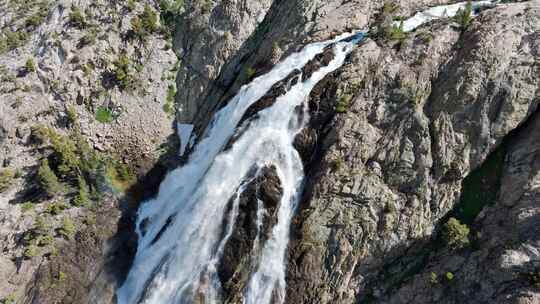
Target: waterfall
[[179, 230], [181, 233]]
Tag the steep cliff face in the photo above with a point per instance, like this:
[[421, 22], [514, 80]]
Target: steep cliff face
[[84, 88], [393, 136], [419, 121], [411, 135]]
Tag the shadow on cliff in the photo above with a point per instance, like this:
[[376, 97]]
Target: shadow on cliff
[[124, 242]]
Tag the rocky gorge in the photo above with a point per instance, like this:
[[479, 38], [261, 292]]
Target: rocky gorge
[[419, 152]]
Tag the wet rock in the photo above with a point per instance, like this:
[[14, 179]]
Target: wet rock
[[257, 215]]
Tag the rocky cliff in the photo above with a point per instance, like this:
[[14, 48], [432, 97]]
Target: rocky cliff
[[86, 110], [420, 152], [410, 133]]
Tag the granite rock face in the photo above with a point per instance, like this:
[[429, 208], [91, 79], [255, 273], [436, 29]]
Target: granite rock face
[[406, 134], [385, 173], [62, 72]]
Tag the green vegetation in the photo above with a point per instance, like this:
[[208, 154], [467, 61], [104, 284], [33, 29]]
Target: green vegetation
[[144, 24], [10, 40], [389, 8], [250, 73], [206, 6], [76, 17], [83, 196], [55, 208], [89, 38], [45, 240], [27, 206], [30, 66], [36, 19], [168, 107], [68, 229], [480, 187], [534, 279], [48, 179], [343, 103], [76, 165], [61, 277], [449, 276], [42, 225], [31, 251], [130, 5], [119, 175], [455, 234], [169, 9], [433, 278], [6, 179], [464, 16], [337, 165], [123, 72], [104, 115], [9, 299], [396, 33], [426, 36], [72, 115]]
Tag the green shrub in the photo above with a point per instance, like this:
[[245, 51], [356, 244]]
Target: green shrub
[[27, 206], [72, 115], [206, 6], [6, 179], [122, 72], [45, 240], [89, 38], [343, 103], [68, 229], [389, 8], [83, 196], [337, 164], [76, 17], [65, 155], [130, 5], [168, 107], [250, 72], [534, 279], [119, 175], [13, 40], [145, 23], [396, 33], [36, 19], [104, 115], [32, 251], [449, 276], [169, 9], [149, 19], [464, 16], [456, 235], [61, 277], [433, 278], [48, 179], [9, 299], [30, 66], [42, 225], [39, 134], [55, 208]]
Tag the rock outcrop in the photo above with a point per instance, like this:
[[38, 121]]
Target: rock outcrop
[[393, 134], [412, 131], [74, 70]]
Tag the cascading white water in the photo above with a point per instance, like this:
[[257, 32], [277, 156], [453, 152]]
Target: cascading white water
[[180, 231]]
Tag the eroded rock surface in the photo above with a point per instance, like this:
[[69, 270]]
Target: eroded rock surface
[[413, 121]]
